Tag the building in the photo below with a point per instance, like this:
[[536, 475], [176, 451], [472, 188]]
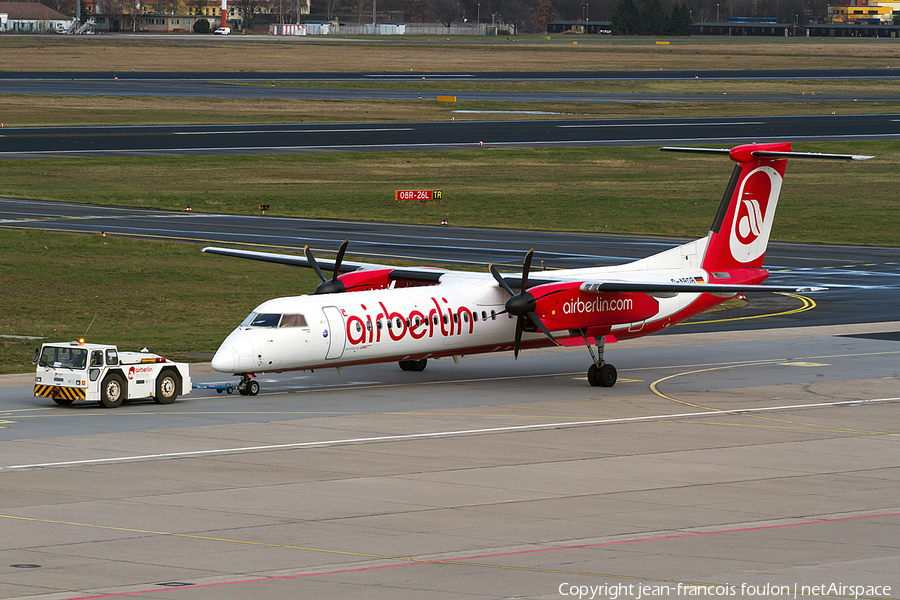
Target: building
[[596, 27], [862, 11], [31, 17]]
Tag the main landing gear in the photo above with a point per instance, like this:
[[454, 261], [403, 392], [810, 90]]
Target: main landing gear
[[601, 373], [414, 365], [247, 386]]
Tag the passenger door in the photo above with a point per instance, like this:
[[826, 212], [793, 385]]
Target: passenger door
[[337, 335]]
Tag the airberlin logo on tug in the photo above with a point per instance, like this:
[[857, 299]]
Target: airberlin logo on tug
[[752, 224]]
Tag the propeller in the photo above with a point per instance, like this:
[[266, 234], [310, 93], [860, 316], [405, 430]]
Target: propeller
[[333, 285], [522, 304]]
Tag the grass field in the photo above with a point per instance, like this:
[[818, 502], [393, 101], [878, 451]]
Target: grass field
[[522, 53], [167, 296], [630, 190]]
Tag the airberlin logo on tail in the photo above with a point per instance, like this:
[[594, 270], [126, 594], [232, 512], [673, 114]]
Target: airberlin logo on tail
[[755, 210]]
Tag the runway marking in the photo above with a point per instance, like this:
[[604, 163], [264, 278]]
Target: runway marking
[[444, 434], [629, 125], [808, 304], [231, 133], [654, 387], [461, 561], [803, 364]]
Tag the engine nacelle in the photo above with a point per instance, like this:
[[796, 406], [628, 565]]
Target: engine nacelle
[[564, 306]]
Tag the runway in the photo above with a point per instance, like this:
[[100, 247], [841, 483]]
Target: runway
[[863, 281], [181, 140], [766, 461]]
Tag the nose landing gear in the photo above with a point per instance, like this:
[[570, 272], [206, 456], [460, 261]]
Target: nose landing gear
[[247, 386]]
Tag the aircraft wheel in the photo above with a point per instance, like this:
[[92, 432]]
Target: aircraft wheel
[[608, 376], [252, 388], [414, 365], [112, 392], [593, 375]]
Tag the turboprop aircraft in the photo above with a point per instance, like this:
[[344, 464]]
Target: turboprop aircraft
[[368, 313]]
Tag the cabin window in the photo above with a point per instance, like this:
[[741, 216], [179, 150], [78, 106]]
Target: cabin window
[[493, 315], [293, 321], [358, 327], [390, 324], [368, 325], [399, 323], [418, 321], [483, 316], [378, 324], [466, 317], [408, 324], [456, 317], [446, 320], [435, 320], [474, 317]]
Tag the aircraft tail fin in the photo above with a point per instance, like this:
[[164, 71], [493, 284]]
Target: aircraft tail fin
[[740, 231]]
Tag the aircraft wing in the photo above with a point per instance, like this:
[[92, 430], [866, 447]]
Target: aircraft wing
[[657, 288], [399, 273]]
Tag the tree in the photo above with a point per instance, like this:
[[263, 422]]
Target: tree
[[441, 10], [541, 14], [201, 26], [626, 18], [680, 23], [248, 9], [654, 20]]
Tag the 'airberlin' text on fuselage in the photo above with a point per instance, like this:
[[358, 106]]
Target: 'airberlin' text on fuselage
[[442, 318], [581, 307]]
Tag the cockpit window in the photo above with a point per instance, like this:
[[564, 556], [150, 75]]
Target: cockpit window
[[293, 321], [264, 320]]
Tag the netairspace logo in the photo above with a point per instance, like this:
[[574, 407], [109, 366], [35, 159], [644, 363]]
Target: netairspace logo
[[638, 591]]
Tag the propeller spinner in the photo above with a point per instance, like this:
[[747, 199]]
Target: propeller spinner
[[522, 304], [333, 285]]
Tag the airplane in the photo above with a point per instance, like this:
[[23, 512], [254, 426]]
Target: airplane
[[368, 313]]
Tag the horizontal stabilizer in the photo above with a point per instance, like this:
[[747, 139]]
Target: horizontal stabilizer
[[649, 287], [770, 154]]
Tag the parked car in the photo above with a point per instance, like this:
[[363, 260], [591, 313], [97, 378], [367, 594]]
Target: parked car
[[222, 31]]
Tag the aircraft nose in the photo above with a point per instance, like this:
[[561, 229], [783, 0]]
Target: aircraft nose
[[224, 361]]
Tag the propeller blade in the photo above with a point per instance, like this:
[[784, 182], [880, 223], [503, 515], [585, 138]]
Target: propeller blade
[[500, 280], [314, 264], [537, 321], [525, 269], [339, 259], [520, 325]]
